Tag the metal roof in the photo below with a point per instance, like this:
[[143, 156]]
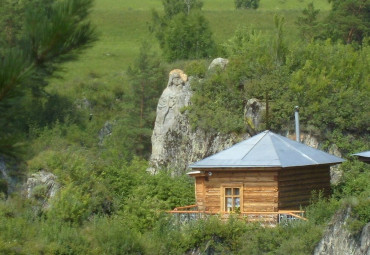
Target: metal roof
[[365, 154], [267, 149]]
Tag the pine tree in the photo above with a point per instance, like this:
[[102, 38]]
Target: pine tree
[[349, 20], [308, 23], [51, 32], [147, 78]]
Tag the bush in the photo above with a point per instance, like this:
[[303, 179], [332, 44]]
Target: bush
[[197, 68], [321, 209], [188, 37], [113, 236], [70, 206], [360, 215], [246, 4]]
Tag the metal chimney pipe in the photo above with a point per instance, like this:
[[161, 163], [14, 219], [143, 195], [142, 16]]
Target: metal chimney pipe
[[297, 131]]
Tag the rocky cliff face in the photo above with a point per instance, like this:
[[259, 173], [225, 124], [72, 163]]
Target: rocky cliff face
[[174, 143], [338, 240]]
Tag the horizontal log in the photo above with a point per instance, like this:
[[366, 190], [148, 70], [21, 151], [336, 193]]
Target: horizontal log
[[216, 209], [258, 200], [303, 178], [215, 201], [294, 170], [300, 176], [260, 188], [304, 182], [260, 209], [260, 194], [308, 189], [294, 199], [244, 174], [261, 184], [213, 194], [185, 207]]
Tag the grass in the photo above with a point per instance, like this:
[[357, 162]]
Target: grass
[[123, 24]]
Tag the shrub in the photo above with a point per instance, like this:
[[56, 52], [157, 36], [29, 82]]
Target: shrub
[[70, 206], [360, 216], [246, 4], [113, 236], [197, 68], [188, 37]]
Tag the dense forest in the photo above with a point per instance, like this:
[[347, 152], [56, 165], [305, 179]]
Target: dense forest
[[70, 69]]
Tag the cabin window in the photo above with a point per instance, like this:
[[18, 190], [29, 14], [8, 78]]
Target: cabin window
[[232, 199]]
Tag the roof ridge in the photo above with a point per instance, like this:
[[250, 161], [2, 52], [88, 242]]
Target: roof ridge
[[300, 152], [266, 132]]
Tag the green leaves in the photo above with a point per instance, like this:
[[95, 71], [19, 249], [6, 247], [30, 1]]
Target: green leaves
[[174, 7], [348, 21], [188, 37], [182, 32], [332, 87], [308, 23], [147, 80], [246, 4]]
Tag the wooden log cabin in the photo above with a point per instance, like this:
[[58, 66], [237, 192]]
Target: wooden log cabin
[[266, 175]]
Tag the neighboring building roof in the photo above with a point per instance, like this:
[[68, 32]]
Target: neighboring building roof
[[363, 156], [267, 149]]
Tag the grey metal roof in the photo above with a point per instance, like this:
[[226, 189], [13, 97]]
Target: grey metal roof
[[365, 154], [267, 149]]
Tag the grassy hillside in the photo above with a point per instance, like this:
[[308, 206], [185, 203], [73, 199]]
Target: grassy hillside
[[123, 25]]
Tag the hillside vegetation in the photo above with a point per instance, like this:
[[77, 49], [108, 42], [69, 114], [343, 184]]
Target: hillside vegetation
[[82, 107]]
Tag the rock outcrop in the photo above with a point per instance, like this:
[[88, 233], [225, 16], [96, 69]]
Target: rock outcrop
[[42, 186], [174, 143], [218, 62], [105, 131], [338, 240], [253, 114]]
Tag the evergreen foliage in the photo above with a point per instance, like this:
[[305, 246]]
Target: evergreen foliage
[[308, 23], [52, 33], [183, 32], [147, 79], [348, 21]]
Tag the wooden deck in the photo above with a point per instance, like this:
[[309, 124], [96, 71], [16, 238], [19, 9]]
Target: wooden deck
[[191, 212]]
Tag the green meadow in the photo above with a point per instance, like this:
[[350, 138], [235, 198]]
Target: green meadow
[[123, 24]]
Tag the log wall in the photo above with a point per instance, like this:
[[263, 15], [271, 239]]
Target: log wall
[[259, 190], [296, 185]]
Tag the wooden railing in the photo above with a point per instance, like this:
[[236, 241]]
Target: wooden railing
[[191, 212]]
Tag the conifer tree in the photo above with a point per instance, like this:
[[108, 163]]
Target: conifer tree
[[308, 23], [51, 32], [349, 20], [147, 78]]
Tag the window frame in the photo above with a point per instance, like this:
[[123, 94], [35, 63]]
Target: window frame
[[224, 196]]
